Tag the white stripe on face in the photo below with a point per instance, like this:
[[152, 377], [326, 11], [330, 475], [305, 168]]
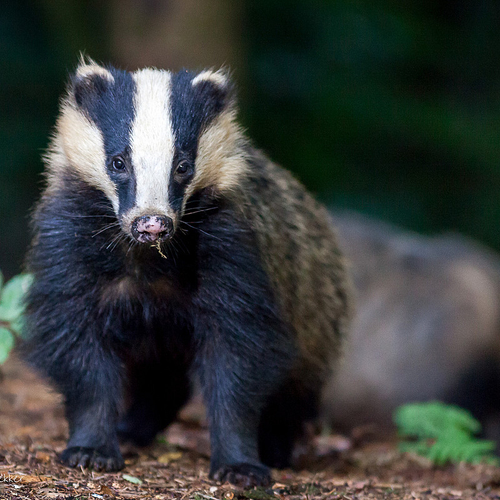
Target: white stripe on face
[[82, 143], [152, 143]]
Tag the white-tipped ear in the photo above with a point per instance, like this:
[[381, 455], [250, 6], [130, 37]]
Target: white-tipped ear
[[89, 81], [215, 88], [87, 67], [218, 78]]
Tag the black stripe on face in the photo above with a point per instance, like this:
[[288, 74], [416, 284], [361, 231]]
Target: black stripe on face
[[193, 108], [110, 105], [125, 181]]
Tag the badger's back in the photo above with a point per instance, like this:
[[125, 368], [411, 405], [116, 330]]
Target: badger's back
[[427, 323], [299, 249]]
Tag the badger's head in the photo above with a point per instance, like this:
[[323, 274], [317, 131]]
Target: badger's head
[[149, 140]]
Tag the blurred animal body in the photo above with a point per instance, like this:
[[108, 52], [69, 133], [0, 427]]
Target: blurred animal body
[[427, 325], [166, 247]]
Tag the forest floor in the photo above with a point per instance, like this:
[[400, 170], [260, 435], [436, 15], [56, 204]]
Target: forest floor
[[33, 431]]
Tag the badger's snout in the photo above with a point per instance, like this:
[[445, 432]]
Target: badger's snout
[[152, 228]]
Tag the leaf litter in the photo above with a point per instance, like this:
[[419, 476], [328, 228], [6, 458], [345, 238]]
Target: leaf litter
[[33, 431]]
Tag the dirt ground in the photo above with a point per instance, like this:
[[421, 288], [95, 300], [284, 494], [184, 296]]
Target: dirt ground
[[33, 432]]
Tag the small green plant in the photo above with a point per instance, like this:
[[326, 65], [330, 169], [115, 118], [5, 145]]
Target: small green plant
[[11, 311], [442, 433]]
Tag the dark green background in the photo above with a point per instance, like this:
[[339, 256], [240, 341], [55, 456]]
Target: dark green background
[[388, 107]]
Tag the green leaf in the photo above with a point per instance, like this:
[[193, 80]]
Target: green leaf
[[6, 343], [132, 479], [1, 280], [11, 299], [443, 433], [434, 419], [17, 325]]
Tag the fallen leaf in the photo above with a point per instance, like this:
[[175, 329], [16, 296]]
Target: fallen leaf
[[359, 485], [106, 490], [132, 479], [42, 456], [169, 457], [277, 486]]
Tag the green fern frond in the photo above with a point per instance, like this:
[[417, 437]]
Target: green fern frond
[[442, 433]]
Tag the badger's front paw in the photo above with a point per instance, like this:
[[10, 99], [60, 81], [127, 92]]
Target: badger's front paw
[[92, 458], [243, 475]]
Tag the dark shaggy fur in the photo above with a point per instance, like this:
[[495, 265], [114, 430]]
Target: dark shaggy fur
[[251, 299]]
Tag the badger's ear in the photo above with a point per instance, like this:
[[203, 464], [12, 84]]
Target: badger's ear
[[216, 88], [89, 81]]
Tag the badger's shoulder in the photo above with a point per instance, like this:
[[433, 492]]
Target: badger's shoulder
[[298, 247], [279, 206]]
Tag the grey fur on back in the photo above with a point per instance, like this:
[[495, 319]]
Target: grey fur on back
[[427, 316]]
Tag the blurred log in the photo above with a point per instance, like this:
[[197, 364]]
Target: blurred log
[[175, 34]]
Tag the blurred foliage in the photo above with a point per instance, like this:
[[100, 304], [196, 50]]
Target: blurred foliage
[[444, 433], [11, 311], [388, 107], [39, 44]]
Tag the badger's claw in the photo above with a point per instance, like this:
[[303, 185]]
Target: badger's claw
[[92, 458], [243, 475]]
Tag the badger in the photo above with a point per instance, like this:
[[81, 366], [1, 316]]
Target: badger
[[167, 250], [426, 327]]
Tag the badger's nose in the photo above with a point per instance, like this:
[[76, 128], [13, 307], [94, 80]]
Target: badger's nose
[[152, 228]]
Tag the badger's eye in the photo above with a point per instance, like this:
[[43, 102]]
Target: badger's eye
[[183, 170], [118, 164]]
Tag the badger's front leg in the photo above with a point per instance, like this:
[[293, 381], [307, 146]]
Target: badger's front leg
[[73, 350], [91, 385], [90, 379], [244, 353], [237, 376]]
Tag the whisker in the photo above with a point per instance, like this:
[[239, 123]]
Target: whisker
[[172, 251], [105, 228], [201, 230], [132, 244], [115, 240], [202, 210], [118, 241], [100, 216], [182, 245]]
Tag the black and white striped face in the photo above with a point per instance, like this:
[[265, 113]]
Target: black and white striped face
[[149, 140]]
